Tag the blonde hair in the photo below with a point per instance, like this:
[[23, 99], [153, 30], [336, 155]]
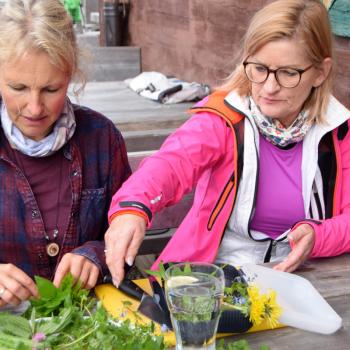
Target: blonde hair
[[306, 20], [42, 25]]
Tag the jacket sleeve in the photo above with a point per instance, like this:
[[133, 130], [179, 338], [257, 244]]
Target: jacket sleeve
[[333, 235], [163, 178], [117, 172]]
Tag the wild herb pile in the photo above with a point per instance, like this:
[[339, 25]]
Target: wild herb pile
[[68, 318]]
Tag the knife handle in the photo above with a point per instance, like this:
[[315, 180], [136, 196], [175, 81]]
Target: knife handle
[[132, 289], [108, 278]]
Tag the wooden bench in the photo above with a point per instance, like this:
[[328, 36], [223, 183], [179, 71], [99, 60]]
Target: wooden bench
[[166, 221]]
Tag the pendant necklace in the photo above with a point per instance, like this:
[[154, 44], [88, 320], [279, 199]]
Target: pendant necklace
[[52, 248]]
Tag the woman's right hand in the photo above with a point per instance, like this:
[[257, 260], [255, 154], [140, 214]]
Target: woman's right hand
[[123, 239], [15, 285]]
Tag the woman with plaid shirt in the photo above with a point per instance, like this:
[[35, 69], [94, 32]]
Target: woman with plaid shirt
[[59, 163]]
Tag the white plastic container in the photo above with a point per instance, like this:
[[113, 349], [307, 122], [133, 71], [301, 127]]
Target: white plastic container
[[302, 305]]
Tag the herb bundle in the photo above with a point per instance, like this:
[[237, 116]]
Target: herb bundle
[[68, 318]]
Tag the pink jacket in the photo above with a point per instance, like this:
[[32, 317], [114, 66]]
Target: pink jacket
[[204, 152]]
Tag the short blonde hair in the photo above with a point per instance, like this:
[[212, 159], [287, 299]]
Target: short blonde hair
[[42, 25], [306, 20]]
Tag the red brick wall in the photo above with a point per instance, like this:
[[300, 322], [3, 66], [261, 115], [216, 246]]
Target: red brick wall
[[198, 39]]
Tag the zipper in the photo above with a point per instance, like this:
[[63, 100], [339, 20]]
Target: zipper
[[268, 254], [228, 187], [221, 202]]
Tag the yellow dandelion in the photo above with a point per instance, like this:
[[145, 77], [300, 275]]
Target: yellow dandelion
[[256, 305], [272, 311]]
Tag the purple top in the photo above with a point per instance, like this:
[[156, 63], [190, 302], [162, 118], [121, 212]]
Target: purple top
[[279, 202], [48, 178]]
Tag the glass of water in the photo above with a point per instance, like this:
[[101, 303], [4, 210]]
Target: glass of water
[[194, 293]]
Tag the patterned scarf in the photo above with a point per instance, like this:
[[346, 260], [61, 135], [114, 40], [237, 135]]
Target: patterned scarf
[[274, 131], [61, 133]]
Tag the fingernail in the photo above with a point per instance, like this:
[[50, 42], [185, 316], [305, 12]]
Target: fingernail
[[129, 260], [116, 282]]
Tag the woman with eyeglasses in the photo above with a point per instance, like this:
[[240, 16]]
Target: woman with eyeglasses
[[268, 153]]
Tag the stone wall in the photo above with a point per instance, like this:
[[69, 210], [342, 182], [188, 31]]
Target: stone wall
[[198, 39]]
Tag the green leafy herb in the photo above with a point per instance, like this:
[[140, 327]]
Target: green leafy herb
[[76, 322], [160, 273], [52, 299]]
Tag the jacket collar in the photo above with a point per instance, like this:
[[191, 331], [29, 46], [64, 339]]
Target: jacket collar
[[237, 102], [336, 113]]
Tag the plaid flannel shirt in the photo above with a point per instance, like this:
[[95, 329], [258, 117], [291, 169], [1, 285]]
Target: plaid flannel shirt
[[98, 167]]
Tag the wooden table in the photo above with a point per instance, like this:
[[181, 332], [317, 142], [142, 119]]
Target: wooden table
[[331, 277]]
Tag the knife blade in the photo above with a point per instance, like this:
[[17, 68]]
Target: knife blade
[[158, 294], [148, 305]]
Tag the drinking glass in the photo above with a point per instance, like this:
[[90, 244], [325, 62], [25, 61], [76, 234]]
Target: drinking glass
[[194, 293]]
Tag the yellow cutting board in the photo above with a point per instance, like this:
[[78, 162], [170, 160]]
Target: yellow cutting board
[[114, 302]]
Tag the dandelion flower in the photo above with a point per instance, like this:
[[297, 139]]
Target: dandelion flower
[[272, 311], [256, 305]]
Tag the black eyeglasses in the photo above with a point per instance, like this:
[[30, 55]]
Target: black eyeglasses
[[286, 77]]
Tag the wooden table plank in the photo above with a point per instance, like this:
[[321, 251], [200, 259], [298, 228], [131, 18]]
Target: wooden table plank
[[330, 276]]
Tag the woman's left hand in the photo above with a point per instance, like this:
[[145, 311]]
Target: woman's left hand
[[81, 268], [302, 240]]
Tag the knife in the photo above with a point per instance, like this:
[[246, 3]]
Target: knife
[[148, 305], [158, 294]]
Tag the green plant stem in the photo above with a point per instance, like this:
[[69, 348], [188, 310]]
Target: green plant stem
[[66, 346]]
